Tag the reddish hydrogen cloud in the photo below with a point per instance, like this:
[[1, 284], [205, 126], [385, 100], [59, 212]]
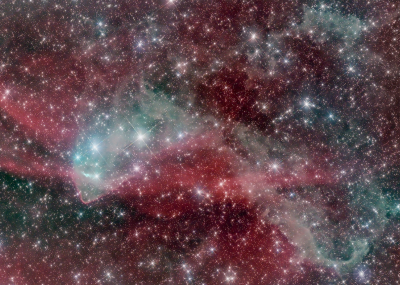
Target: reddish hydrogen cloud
[[201, 207]]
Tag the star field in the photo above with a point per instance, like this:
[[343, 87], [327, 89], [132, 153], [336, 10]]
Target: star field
[[199, 142]]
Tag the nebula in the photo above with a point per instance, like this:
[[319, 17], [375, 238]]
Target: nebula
[[199, 142]]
